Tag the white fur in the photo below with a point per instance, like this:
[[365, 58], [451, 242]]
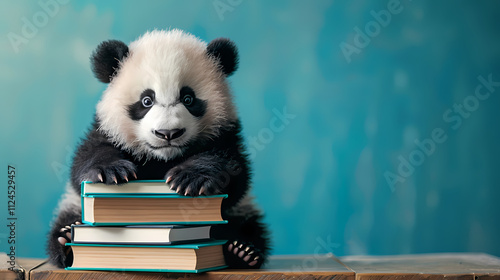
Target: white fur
[[165, 61], [70, 201], [167, 117]]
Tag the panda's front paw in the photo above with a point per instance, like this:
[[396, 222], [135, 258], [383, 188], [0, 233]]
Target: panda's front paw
[[117, 172], [187, 180]]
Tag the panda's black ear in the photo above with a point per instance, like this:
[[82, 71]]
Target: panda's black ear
[[106, 58], [225, 51]]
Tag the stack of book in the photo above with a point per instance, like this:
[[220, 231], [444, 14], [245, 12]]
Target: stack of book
[[144, 226]]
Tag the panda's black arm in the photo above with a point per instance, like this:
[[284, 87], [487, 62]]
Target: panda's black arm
[[97, 159], [223, 168]]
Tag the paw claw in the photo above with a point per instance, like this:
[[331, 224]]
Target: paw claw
[[255, 261], [135, 175], [187, 191], [126, 179], [169, 179], [202, 190], [100, 177]]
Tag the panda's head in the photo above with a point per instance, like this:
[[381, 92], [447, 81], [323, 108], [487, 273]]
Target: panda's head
[[166, 90]]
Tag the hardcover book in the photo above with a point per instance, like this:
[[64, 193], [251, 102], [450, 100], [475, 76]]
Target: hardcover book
[[137, 187], [173, 258], [151, 209], [140, 235]]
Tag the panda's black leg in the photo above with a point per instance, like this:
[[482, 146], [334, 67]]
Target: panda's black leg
[[248, 241], [60, 234]]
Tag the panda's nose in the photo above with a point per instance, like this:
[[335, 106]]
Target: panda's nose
[[169, 134]]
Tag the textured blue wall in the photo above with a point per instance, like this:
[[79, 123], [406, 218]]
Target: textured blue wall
[[342, 171]]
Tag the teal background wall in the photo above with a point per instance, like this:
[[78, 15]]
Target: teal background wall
[[357, 106]]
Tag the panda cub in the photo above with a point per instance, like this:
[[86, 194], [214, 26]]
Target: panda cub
[[168, 113]]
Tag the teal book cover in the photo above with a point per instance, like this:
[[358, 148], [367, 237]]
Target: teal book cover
[[151, 270], [178, 246], [140, 234], [134, 187], [174, 209], [156, 223], [136, 258]]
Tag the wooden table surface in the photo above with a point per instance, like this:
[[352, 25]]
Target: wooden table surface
[[426, 266], [466, 266]]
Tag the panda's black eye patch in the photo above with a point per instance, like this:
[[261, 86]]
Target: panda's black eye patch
[[195, 106], [139, 109]]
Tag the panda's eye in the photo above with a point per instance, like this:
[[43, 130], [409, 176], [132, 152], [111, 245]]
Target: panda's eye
[[187, 99], [147, 101]]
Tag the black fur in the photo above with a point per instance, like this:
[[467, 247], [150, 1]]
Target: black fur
[[225, 51], [218, 164], [137, 111], [106, 58], [198, 106]]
